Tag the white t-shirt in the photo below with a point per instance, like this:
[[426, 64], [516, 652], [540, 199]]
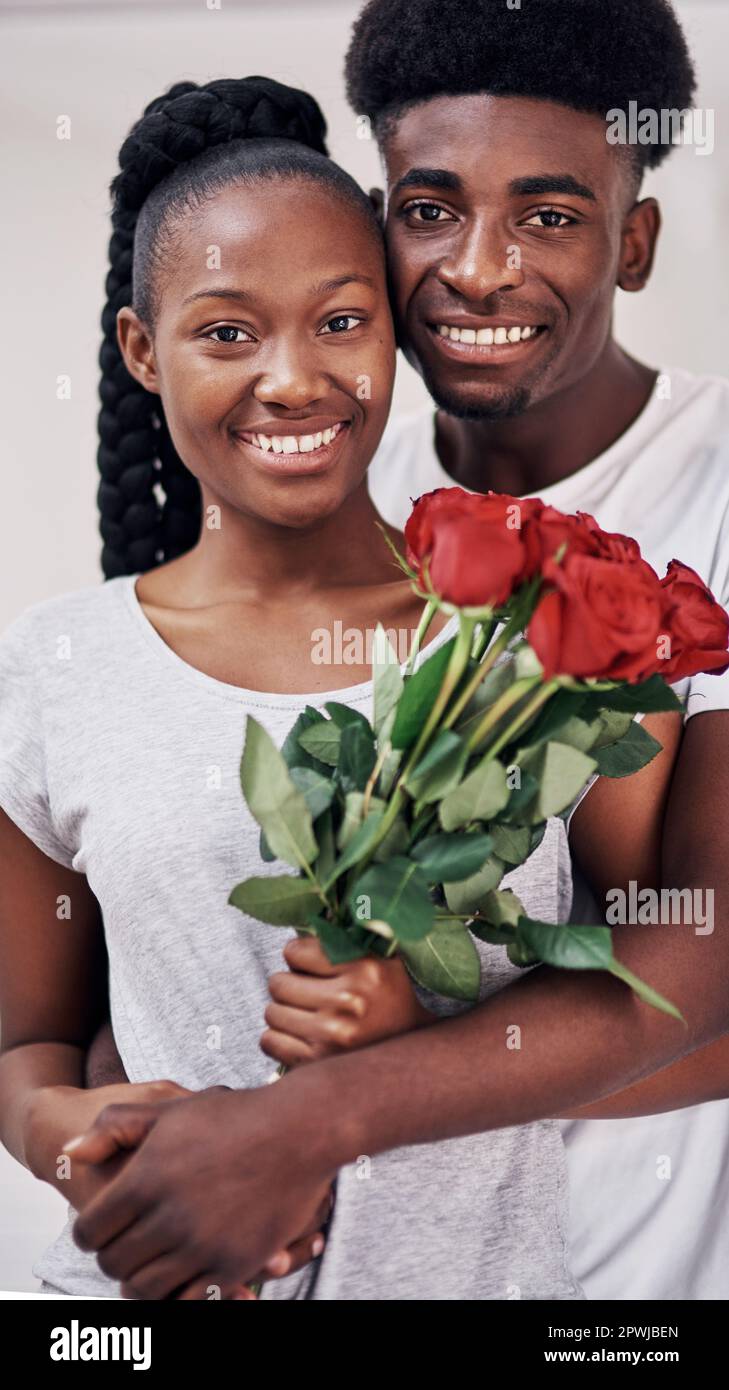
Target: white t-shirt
[[635, 1232]]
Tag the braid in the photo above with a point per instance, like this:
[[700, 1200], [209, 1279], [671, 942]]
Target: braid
[[149, 501]]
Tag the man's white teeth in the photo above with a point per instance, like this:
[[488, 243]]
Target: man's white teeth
[[295, 443], [485, 337]]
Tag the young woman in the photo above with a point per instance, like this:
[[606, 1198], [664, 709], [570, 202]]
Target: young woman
[[248, 367]]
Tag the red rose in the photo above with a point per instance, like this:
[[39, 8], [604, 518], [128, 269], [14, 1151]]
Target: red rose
[[602, 618], [472, 550], [698, 627]]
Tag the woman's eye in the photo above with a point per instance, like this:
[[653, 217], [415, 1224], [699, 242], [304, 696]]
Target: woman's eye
[[341, 323], [551, 218], [229, 328]]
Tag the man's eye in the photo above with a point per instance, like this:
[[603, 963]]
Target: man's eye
[[229, 328], [549, 217], [426, 212], [341, 323]]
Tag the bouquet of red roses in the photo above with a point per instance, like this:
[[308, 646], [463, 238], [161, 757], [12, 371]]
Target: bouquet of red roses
[[400, 829]]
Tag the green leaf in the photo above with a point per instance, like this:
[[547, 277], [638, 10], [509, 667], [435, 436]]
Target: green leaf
[[567, 946], [512, 843], [356, 757], [451, 857], [322, 741], [316, 790], [396, 841], [292, 752], [440, 769], [468, 895], [579, 733], [387, 679], [614, 725], [480, 796], [502, 908], [264, 849], [273, 800], [397, 893], [324, 862], [561, 772], [632, 752], [281, 900], [644, 991], [561, 707], [521, 799], [648, 697], [357, 848], [419, 695], [341, 944], [445, 961], [354, 816], [344, 715]]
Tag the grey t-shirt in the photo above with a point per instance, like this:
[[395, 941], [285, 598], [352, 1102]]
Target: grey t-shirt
[[121, 761]]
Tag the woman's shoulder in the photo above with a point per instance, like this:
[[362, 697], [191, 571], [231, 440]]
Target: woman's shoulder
[[41, 628]]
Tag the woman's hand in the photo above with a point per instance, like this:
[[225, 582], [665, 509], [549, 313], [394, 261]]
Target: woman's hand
[[54, 1113], [319, 1009]]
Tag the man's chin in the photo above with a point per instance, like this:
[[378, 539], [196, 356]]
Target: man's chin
[[472, 405]]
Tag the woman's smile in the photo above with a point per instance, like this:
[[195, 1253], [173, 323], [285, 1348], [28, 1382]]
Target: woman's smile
[[283, 449]]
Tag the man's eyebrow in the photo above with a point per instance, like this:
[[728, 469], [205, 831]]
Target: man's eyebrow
[[325, 287], [537, 184], [430, 178]]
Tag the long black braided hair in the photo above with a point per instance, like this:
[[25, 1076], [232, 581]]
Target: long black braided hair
[[189, 142]]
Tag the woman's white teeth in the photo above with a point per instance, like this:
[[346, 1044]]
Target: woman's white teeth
[[485, 337], [295, 443]]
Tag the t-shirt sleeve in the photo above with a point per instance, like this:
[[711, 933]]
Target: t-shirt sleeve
[[23, 771]]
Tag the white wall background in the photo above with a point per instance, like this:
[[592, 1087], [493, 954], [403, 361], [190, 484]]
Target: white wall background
[[100, 63]]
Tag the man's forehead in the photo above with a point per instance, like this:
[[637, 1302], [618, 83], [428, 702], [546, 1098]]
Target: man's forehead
[[484, 139]]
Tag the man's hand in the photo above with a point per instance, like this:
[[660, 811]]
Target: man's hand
[[192, 1205]]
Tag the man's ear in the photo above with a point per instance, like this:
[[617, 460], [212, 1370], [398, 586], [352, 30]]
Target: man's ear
[[137, 349], [377, 199], [640, 235]]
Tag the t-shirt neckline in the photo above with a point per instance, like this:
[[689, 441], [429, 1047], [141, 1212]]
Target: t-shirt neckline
[[263, 698]]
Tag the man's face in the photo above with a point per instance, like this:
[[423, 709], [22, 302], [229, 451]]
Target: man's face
[[506, 233]]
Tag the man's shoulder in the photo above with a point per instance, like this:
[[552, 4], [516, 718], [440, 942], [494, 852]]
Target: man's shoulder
[[405, 432]]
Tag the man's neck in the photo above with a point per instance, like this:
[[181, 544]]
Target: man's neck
[[551, 440]]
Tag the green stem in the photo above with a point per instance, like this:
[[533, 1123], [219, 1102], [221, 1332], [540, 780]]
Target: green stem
[[495, 713], [429, 611], [522, 719], [489, 661]]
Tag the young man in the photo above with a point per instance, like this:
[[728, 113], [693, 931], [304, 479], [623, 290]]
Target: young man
[[478, 131], [511, 220]]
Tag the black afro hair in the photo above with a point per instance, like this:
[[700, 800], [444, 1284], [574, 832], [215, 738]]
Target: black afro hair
[[591, 55]]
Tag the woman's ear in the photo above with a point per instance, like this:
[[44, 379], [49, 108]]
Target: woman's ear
[[377, 199], [137, 349]]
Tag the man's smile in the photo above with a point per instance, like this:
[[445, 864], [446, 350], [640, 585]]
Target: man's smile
[[492, 342]]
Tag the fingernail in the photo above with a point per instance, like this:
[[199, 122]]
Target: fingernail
[[279, 1264], [317, 1245], [73, 1143]]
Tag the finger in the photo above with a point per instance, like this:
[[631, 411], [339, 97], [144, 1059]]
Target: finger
[[290, 1051], [123, 1201], [306, 953], [144, 1244], [161, 1277], [306, 992], [315, 1028], [301, 1253], [115, 1127]]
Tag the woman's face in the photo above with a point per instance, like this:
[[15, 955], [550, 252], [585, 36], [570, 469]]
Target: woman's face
[[273, 351]]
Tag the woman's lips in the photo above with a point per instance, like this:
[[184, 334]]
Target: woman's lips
[[295, 453]]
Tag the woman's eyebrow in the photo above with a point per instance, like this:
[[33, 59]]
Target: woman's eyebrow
[[537, 184], [325, 287]]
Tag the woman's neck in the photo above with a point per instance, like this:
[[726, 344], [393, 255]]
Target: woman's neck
[[249, 558]]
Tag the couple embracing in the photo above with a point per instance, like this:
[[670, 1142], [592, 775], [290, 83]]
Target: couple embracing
[[407, 1154]]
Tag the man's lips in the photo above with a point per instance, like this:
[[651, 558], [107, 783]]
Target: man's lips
[[486, 340]]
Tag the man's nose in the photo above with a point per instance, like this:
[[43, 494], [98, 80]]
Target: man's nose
[[484, 260], [291, 375]]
